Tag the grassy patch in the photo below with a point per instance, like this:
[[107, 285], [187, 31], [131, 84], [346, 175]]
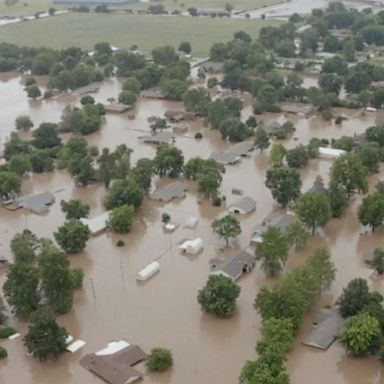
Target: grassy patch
[[123, 31]]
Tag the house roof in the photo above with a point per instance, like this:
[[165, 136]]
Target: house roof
[[37, 203], [281, 221], [115, 367], [297, 108], [152, 94], [233, 266], [116, 107], [97, 223], [225, 157], [212, 66], [90, 88], [246, 204], [243, 148], [170, 191], [272, 127], [317, 187], [163, 137], [328, 324]]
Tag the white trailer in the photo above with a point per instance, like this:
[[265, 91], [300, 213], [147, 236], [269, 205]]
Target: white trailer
[[192, 247], [331, 153], [148, 271]]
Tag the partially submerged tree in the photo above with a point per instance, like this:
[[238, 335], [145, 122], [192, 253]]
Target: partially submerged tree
[[226, 228], [45, 338], [219, 296], [261, 139], [297, 234], [160, 359], [74, 209], [120, 219], [72, 236]]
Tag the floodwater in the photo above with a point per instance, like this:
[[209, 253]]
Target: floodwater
[[284, 9], [164, 310]]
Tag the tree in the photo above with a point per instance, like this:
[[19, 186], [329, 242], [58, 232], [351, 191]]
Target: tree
[[87, 99], [197, 100], [362, 335], [46, 136], [164, 55], [284, 184], [261, 139], [378, 261], [142, 173], [132, 84], [45, 338], [354, 297], [226, 228], [24, 245], [330, 82], [81, 169], [185, 46], [193, 11], [168, 161], [219, 296], [72, 236], [33, 91], [174, 89], [273, 251], [234, 129], [228, 7], [370, 156], [41, 161], [74, 209], [278, 332], [349, 172], [216, 113], [314, 210], [165, 218], [371, 211], [127, 97], [19, 164], [277, 154], [242, 36], [124, 192], [16, 146], [56, 279], [158, 123], [325, 271], [10, 183], [20, 288], [297, 157], [23, 123], [266, 97], [160, 359], [120, 219], [338, 199], [297, 234]]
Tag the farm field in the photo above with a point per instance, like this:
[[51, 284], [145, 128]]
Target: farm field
[[123, 31]]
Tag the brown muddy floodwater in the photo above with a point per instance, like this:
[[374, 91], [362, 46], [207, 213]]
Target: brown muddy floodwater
[[164, 311]]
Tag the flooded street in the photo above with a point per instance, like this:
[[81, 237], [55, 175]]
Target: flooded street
[[164, 311]]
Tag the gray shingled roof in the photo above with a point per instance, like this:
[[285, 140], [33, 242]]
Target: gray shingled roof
[[163, 137], [281, 221], [246, 204], [243, 148], [225, 157], [170, 191], [231, 155], [327, 326], [234, 266], [90, 88], [37, 203]]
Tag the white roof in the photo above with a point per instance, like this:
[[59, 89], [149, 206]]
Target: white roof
[[112, 347], [149, 270], [98, 223], [14, 336], [75, 346], [195, 244], [331, 152]]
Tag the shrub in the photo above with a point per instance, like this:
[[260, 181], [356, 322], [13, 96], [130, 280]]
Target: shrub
[[216, 202], [5, 332], [160, 359], [198, 135], [3, 353]]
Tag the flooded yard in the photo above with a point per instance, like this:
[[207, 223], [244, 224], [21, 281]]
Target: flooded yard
[[164, 311]]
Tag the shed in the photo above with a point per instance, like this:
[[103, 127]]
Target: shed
[[170, 191], [148, 271], [235, 266], [282, 221], [331, 153], [97, 224], [163, 137], [243, 206], [192, 247], [114, 364], [36, 203], [328, 324], [177, 115]]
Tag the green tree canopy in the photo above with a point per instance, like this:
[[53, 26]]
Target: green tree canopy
[[227, 227], [160, 359], [72, 236], [120, 219], [74, 209]]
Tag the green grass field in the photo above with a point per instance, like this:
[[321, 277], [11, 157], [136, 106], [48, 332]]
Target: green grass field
[[33, 6], [123, 31]]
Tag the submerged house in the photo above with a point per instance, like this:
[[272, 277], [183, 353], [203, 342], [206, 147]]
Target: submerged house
[[234, 266], [97, 224], [243, 206], [327, 325], [170, 191], [176, 116], [233, 154], [163, 137], [192, 247], [90, 88], [115, 363], [35, 203], [282, 221]]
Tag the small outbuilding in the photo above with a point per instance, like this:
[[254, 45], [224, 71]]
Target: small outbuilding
[[170, 191], [235, 266], [243, 206], [163, 137], [192, 247], [116, 108], [327, 326], [330, 153], [147, 272]]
